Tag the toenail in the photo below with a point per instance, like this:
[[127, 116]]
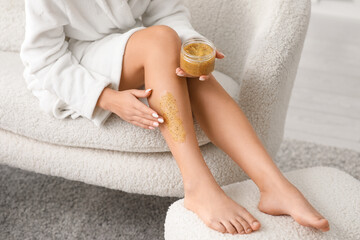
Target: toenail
[[255, 223], [242, 232], [248, 230]]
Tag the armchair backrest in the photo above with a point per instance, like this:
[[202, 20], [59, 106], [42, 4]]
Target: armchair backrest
[[241, 28], [12, 24]]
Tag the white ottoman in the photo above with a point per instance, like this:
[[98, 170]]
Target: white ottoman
[[335, 194]]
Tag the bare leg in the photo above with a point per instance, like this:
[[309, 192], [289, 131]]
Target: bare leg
[[151, 56], [228, 128]]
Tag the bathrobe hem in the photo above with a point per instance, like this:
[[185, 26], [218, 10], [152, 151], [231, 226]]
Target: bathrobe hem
[[100, 115]]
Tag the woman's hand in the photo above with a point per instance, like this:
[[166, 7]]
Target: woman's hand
[[126, 105], [182, 73]]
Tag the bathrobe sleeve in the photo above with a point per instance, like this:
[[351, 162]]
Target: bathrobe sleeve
[[51, 71], [172, 13]]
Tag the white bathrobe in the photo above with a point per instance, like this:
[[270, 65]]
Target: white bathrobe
[[73, 49]]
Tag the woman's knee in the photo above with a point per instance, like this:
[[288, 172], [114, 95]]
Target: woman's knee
[[158, 43], [164, 34], [164, 40]]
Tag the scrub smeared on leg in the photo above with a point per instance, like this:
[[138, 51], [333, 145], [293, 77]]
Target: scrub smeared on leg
[[171, 116]]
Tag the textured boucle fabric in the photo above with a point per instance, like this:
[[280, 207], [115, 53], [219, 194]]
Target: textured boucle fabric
[[12, 25], [74, 49], [324, 187], [146, 173], [262, 41], [263, 47], [20, 114]]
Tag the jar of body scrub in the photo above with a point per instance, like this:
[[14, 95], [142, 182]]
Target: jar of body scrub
[[197, 57]]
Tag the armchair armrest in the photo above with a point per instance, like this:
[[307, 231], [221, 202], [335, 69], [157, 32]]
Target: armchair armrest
[[270, 69]]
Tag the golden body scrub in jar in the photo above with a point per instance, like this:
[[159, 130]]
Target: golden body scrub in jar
[[197, 57]]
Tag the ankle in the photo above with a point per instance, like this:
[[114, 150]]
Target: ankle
[[278, 184], [195, 185]]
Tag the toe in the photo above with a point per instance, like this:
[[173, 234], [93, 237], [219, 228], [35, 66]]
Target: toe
[[217, 226], [245, 224], [238, 226], [229, 227], [322, 224], [316, 221], [255, 225]]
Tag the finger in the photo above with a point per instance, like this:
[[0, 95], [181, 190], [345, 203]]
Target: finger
[[148, 111], [141, 93], [181, 73], [139, 124], [219, 54], [148, 117], [145, 121], [144, 108], [204, 77]]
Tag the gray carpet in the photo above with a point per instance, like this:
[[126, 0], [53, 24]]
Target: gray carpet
[[36, 206]]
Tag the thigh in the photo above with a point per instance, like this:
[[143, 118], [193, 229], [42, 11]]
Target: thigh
[[199, 92], [132, 73], [145, 48]]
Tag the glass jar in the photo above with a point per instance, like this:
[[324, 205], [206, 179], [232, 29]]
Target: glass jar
[[197, 57]]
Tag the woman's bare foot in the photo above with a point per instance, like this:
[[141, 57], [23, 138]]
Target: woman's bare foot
[[218, 211], [288, 200]]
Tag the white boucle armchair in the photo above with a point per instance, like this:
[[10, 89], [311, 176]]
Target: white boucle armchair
[[262, 41]]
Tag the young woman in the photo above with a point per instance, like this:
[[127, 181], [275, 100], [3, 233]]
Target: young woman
[[89, 58]]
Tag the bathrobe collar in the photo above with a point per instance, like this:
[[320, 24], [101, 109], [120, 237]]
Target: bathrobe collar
[[118, 11]]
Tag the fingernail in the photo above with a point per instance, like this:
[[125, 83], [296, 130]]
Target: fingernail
[[223, 54], [180, 74], [155, 115], [161, 120], [148, 90], [151, 127], [156, 124], [202, 78]]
